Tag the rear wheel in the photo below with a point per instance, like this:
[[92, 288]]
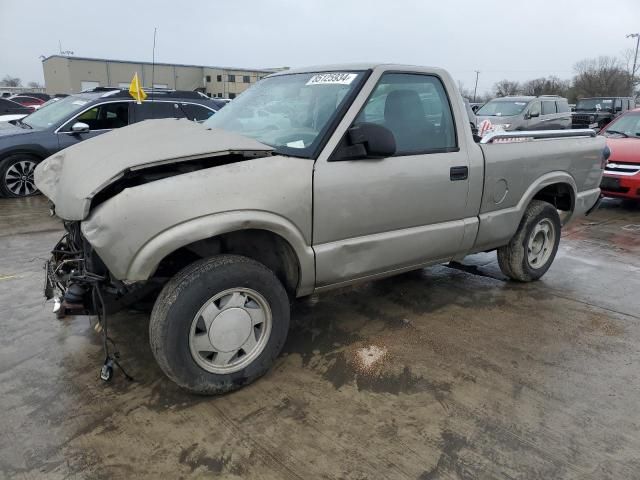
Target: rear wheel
[[219, 324], [16, 175], [532, 249]]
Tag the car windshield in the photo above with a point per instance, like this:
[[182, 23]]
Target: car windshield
[[502, 108], [626, 125], [288, 112], [55, 112], [591, 104]]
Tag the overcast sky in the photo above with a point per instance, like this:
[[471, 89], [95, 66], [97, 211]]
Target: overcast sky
[[501, 38]]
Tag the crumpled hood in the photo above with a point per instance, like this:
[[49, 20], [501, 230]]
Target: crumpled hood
[[72, 177]]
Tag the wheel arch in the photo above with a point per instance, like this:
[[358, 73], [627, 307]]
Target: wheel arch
[[264, 237], [33, 151], [498, 227]]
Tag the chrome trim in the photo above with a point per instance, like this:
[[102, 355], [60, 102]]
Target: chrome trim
[[612, 169], [539, 134]]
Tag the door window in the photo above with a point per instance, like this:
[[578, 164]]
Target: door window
[[562, 106], [535, 108], [106, 116], [416, 109], [548, 108], [618, 106], [155, 110]]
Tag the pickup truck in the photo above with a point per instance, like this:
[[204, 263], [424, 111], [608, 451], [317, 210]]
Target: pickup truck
[[313, 179]]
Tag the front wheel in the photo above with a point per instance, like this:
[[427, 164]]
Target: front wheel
[[16, 176], [532, 249], [219, 324]]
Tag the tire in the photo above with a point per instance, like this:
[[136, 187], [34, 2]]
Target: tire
[[16, 175], [178, 325], [524, 264]]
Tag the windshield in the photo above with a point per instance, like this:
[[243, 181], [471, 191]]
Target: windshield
[[502, 108], [627, 125], [288, 112], [54, 112], [591, 104]]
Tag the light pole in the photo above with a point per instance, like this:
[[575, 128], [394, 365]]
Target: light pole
[[635, 59], [475, 90]]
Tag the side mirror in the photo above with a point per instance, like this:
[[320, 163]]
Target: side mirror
[[80, 127], [366, 140], [534, 114]]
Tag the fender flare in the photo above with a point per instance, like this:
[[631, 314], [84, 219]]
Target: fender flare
[[544, 181], [149, 256]]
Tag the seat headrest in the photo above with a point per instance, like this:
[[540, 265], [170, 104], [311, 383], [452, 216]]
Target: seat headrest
[[403, 105]]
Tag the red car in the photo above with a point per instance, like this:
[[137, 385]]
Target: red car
[[622, 173], [26, 101]]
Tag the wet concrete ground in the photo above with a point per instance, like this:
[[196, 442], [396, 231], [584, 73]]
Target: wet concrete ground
[[480, 377]]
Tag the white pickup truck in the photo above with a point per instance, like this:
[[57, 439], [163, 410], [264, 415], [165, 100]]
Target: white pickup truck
[[312, 179]]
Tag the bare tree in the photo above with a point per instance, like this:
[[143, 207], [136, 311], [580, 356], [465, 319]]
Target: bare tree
[[465, 92], [546, 86], [600, 76], [34, 85], [506, 87], [9, 81]]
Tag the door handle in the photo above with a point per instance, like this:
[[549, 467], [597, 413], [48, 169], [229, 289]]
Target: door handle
[[459, 173]]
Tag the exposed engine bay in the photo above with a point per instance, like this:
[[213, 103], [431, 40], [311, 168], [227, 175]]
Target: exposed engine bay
[[80, 284]]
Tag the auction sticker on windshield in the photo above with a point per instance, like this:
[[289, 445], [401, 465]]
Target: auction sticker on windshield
[[337, 78]]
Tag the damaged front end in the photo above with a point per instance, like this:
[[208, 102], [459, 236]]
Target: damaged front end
[[70, 278], [80, 284]]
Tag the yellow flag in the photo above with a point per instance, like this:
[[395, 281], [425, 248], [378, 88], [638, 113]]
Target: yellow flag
[[136, 90]]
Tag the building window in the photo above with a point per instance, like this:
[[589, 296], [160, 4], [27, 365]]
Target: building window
[[219, 78], [246, 79], [208, 78], [232, 95], [231, 78]]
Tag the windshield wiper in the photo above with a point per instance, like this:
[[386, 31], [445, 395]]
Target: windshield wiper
[[616, 132]]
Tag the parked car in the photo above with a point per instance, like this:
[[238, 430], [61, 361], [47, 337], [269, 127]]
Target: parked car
[[32, 103], [73, 119], [622, 173], [546, 112], [42, 96], [475, 106], [10, 110], [597, 112], [299, 186]]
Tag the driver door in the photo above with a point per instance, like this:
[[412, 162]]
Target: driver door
[[534, 116], [100, 118], [373, 216]]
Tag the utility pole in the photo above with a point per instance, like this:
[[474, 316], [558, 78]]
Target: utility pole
[[635, 59], [475, 90]]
